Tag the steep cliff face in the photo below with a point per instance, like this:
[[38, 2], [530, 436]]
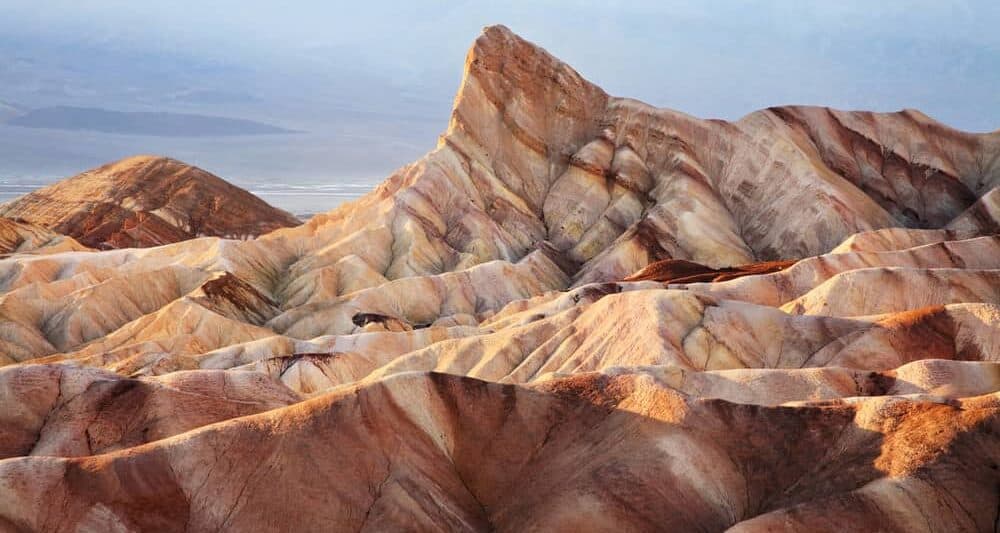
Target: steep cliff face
[[577, 312], [146, 201]]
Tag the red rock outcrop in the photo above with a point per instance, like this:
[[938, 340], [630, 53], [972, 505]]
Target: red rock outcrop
[[19, 236], [146, 201], [681, 271]]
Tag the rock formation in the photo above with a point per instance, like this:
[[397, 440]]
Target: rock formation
[[18, 236], [146, 201], [577, 313], [681, 271]]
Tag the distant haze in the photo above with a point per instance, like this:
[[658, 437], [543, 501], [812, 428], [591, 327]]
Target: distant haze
[[159, 123], [372, 82]]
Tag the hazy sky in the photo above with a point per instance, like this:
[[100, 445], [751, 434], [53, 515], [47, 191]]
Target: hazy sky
[[709, 58]]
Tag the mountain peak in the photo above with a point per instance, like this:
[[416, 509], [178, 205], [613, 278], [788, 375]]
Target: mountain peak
[[147, 200], [560, 319]]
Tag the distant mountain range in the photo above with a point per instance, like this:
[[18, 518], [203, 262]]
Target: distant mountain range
[[162, 124], [350, 134]]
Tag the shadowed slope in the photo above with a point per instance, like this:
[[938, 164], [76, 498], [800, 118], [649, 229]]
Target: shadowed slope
[[681, 271], [595, 453], [67, 411], [19, 236]]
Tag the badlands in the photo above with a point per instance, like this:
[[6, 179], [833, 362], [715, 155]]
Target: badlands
[[577, 313], [146, 201]]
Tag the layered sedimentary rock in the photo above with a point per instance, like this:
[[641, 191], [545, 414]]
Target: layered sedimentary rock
[[681, 271], [578, 312], [67, 412], [438, 452], [146, 201], [19, 237]]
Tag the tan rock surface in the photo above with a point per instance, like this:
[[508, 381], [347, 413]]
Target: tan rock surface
[[19, 236], [69, 411], [776, 289], [577, 313], [590, 452]]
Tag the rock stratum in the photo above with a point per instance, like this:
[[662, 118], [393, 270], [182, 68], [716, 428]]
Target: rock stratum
[[577, 313], [146, 201], [20, 237]]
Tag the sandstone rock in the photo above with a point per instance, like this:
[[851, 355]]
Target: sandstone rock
[[577, 313], [872, 291], [69, 411], [18, 236], [146, 201], [590, 452], [681, 271], [779, 288]]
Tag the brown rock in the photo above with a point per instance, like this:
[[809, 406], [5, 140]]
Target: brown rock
[[19, 236], [146, 201], [681, 271], [585, 453], [577, 313]]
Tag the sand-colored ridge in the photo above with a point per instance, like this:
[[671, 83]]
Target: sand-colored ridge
[[578, 312]]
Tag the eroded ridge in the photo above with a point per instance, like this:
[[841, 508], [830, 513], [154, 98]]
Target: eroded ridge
[[578, 312]]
